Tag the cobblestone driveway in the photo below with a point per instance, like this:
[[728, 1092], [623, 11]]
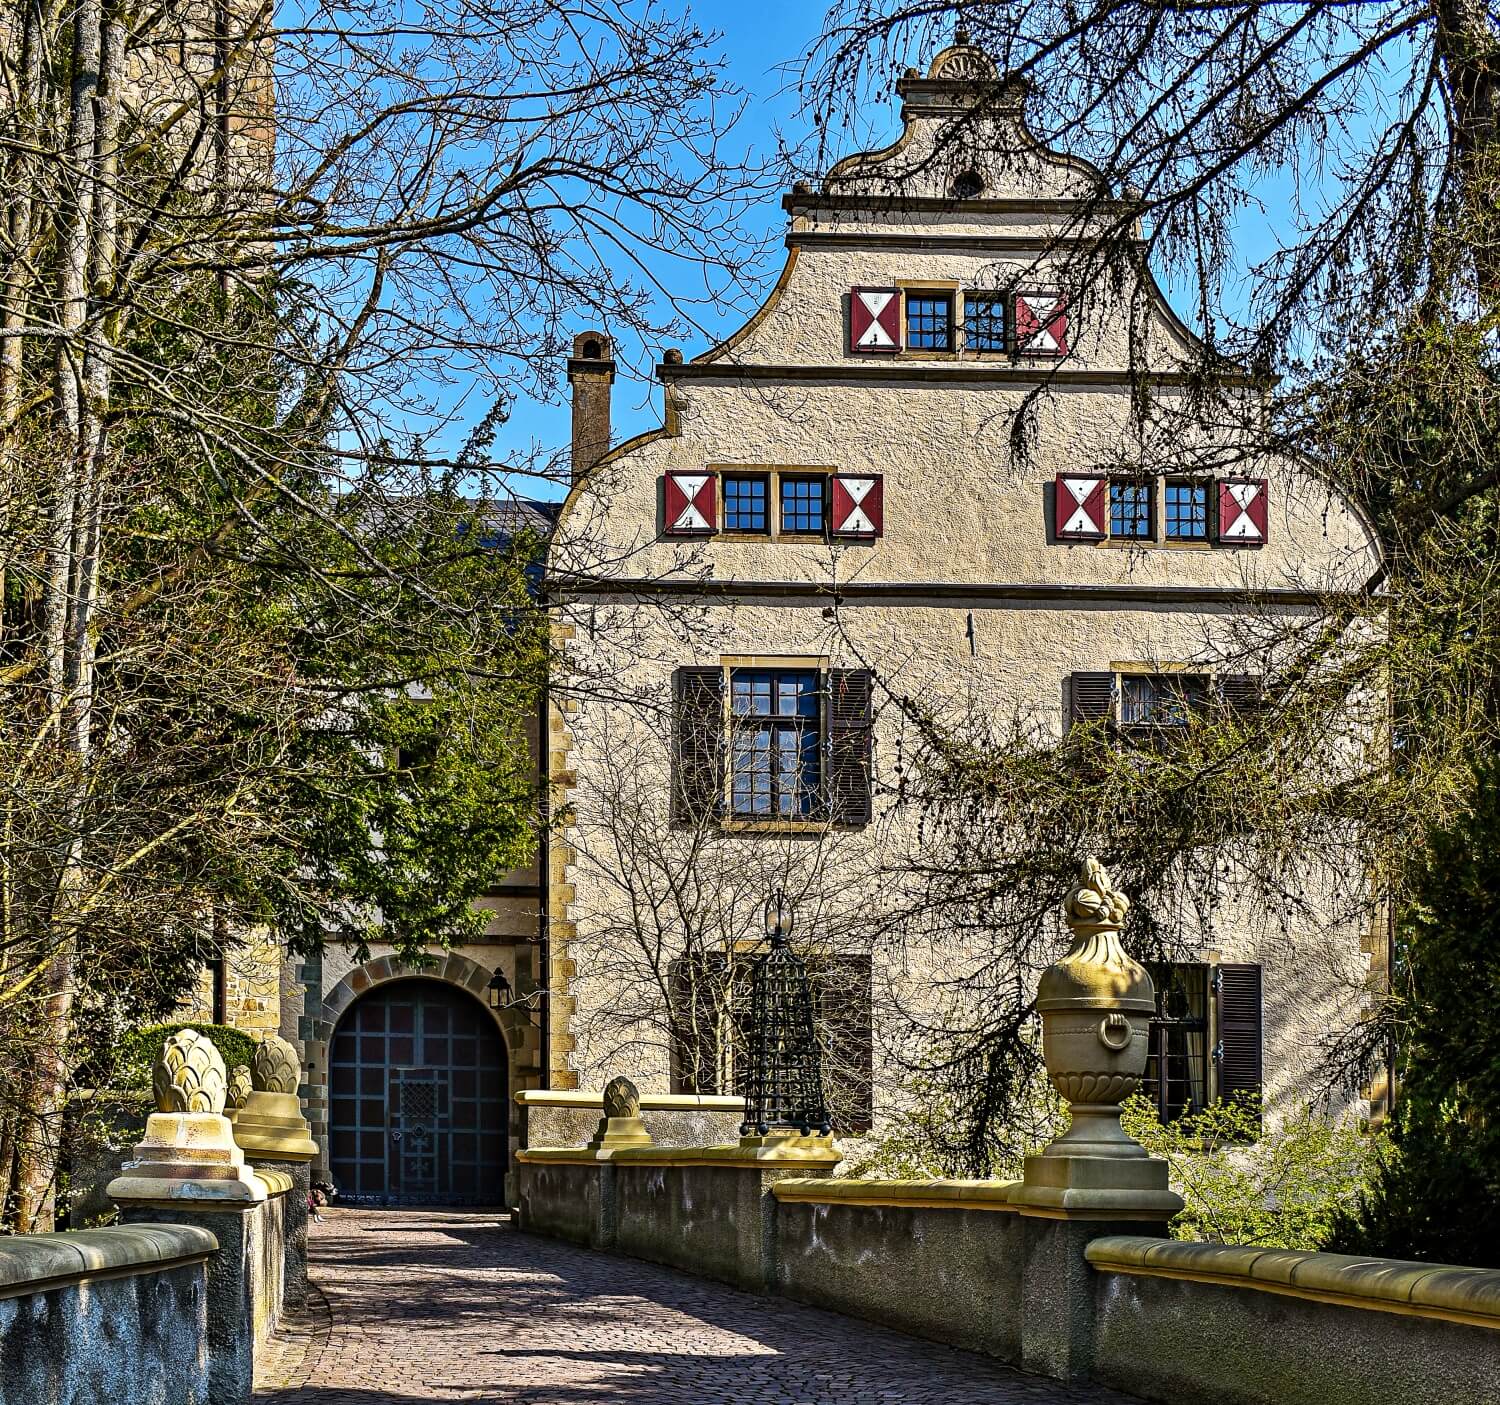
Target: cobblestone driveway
[[422, 1305]]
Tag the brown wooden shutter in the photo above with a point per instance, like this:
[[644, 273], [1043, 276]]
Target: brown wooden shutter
[[851, 726], [697, 744], [1237, 1012], [1090, 697], [845, 1013], [1242, 692], [698, 987]]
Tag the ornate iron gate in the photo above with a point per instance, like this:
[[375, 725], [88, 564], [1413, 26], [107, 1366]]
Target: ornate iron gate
[[418, 1100]]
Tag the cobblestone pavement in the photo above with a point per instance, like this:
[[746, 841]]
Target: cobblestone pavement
[[427, 1305]]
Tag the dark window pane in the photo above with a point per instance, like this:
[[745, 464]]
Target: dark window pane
[[984, 322], [745, 502], [1186, 511], [801, 504], [1129, 509], [774, 753], [1176, 1078], [929, 321], [1160, 699]]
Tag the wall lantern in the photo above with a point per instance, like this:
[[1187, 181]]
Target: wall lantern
[[497, 992]]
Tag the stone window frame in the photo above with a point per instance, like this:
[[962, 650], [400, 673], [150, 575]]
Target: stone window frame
[[774, 473]]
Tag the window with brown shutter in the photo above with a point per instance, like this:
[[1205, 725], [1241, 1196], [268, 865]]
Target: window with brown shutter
[[701, 1018], [1241, 692], [850, 744], [1238, 1030], [1091, 698], [697, 744], [842, 989]]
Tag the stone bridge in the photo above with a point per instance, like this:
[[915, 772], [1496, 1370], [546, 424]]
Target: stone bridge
[[415, 1305]]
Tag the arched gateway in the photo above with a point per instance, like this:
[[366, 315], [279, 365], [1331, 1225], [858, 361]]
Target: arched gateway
[[418, 1083]]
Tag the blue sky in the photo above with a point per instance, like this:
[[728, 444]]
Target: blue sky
[[758, 41], [763, 44]]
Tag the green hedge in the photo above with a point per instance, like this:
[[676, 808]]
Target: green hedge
[[138, 1050]]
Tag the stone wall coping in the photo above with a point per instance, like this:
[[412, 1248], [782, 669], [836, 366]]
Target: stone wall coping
[[1446, 1291], [650, 1102], [927, 1195], [801, 1153], [39, 1263], [275, 1182]]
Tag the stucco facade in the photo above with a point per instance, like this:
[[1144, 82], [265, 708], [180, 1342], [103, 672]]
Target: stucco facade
[[969, 596]]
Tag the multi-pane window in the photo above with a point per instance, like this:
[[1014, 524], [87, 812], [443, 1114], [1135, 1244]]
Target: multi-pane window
[[1177, 1060], [929, 321], [802, 504], [745, 502], [984, 321], [774, 716], [1130, 509], [1185, 510], [1161, 699]]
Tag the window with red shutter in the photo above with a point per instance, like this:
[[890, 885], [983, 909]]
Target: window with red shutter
[[857, 505], [690, 503], [874, 320], [1041, 322], [1081, 507], [1242, 519]]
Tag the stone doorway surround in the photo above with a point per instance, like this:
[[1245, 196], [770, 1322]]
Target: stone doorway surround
[[519, 1030]]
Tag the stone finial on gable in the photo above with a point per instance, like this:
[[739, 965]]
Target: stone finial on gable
[[189, 1075]]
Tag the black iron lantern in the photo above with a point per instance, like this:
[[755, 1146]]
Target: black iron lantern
[[784, 1071], [498, 991]]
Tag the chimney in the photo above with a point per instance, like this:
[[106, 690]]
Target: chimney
[[591, 372]]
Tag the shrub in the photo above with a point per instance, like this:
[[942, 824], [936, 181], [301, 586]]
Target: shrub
[[1283, 1189]]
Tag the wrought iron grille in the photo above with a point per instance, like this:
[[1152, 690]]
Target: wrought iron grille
[[784, 1071]]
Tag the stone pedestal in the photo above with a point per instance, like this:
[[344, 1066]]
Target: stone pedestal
[[1096, 1005], [275, 1136], [188, 1170], [621, 1124]]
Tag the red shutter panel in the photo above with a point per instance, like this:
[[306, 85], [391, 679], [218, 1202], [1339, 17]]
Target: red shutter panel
[[1242, 511], [851, 726], [690, 503], [1237, 1008], [697, 744], [874, 319], [857, 506], [1091, 698], [1081, 507], [1041, 323]]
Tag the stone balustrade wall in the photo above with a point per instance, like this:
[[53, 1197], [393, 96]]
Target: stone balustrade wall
[[1073, 1297], [168, 1308]]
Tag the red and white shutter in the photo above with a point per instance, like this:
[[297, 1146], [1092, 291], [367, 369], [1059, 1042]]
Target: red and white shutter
[[1081, 505], [690, 503], [874, 319], [858, 506], [1041, 323], [1242, 511]]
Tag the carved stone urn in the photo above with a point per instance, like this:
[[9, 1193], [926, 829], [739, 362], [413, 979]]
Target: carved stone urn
[[270, 1126], [188, 1155], [621, 1124], [1096, 1005]]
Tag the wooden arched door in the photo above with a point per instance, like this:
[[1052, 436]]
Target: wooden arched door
[[417, 1094]]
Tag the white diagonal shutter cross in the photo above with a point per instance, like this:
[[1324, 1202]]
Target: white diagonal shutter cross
[[1079, 521], [691, 519], [857, 519], [1243, 527], [875, 334]]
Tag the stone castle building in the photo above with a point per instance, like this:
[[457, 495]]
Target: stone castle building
[[833, 515]]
